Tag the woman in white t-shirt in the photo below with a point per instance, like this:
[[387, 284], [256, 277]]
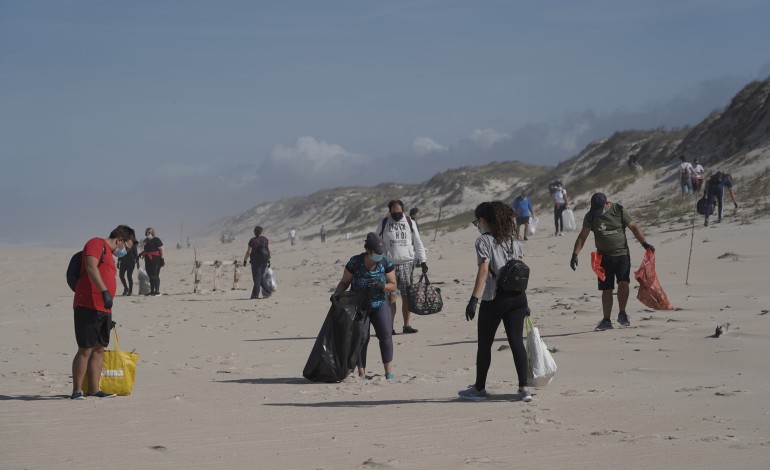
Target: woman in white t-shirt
[[560, 203], [685, 176], [494, 248], [699, 174]]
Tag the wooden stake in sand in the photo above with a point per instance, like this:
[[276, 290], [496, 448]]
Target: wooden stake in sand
[[692, 237], [435, 232]]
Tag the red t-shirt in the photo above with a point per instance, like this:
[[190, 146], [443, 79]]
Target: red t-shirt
[[86, 294]]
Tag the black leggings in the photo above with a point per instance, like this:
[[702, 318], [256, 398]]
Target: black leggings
[[557, 219], [152, 266], [127, 268], [383, 327], [715, 195], [511, 310]]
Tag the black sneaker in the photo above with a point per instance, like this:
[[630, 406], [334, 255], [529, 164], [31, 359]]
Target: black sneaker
[[623, 319], [605, 324], [408, 329]]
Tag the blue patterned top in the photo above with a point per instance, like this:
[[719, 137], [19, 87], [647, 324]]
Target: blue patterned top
[[362, 277]]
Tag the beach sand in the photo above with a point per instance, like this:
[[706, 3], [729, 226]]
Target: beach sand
[[219, 383]]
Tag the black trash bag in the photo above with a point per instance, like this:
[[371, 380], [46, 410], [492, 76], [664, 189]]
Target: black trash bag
[[336, 349]]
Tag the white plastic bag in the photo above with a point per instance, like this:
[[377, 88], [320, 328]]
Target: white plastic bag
[[568, 217], [542, 367], [270, 278], [144, 282], [532, 225]]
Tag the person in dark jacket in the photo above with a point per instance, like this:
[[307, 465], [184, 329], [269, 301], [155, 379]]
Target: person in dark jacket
[[258, 254], [126, 266], [153, 259]]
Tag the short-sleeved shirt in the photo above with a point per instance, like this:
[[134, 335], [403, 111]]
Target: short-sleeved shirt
[[363, 278], [609, 230], [727, 181], [700, 173], [153, 244], [254, 244], [685, 169], [558, 195], [86, 294], [489, 251], [522, 206]]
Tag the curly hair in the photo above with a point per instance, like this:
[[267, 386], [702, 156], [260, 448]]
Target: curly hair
[[499, 218]]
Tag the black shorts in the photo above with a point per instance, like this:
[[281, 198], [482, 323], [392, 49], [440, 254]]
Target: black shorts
[[522, 220], [615, 267], [92, 327]]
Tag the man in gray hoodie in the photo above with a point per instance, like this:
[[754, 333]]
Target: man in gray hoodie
[[402, 240]]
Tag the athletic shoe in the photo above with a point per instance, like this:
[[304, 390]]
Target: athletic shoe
[[394, 333], [525, 238], [267, 296], [605, 324], [523, 395], [388, 376], [409, 329], [77, 396], [561, 234], [719, 221], [472, 394], [101, 394], [623, 319], [706, 223]]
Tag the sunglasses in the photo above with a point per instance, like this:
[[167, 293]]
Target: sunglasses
[[475, 223]]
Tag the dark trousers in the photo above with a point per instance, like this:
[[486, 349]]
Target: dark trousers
[[511, 310], [258, 274], [127, 268], [715, 192], [152, 266], [383, 328], [558, 209]]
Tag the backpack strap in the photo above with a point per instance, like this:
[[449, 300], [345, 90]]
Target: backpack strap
[[385, 221]]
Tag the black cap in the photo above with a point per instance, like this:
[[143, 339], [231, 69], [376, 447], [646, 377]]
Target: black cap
[[598, 200], [374, 243]]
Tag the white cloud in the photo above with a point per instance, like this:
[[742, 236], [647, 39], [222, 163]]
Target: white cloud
[[486, 138], [313, 159], [425, 145]]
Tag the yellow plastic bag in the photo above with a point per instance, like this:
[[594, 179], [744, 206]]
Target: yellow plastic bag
[[119, 371]]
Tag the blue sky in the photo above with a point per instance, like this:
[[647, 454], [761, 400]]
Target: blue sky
[[153, 112]]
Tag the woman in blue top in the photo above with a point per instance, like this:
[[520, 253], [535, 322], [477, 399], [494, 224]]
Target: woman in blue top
[[374, 273]]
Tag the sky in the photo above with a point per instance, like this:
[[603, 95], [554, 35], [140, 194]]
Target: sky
[[176, 113]]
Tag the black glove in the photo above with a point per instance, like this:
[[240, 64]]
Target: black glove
[[335, 297], [162, 262], [573, 262], [107, 299], [424, 267], [470, 310], [244, 263], [736, 205], [377, 286], [647, 246]]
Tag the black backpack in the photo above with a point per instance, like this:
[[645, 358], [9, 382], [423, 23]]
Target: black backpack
[[716, 178], [74, 268], [514, 276], [262, 253]]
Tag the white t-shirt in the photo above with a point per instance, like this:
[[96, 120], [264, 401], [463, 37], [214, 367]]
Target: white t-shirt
[[488, 251], [700, 173], [558, 195], [685, 169]]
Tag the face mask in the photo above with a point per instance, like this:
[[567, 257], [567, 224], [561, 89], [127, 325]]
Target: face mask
[[148, 236], [376, 258], [397, 216], [480, 229], [119, 252], [604, 211]]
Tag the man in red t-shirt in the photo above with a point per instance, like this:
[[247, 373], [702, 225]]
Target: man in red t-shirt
[[93, 307]]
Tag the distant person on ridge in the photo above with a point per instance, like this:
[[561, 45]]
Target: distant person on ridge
[[293, 236], [686, 172], [402, 240], [322, 234], [413, 214], [608, 221], [715, 188], [560, 203], [699, 174], [522, 210]]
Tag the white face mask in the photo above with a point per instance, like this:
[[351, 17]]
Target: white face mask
[[119, 252]]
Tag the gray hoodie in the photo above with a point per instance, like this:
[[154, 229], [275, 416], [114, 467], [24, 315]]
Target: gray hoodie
[[402, 242]]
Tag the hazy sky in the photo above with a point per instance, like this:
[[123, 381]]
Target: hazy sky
[[154, 112]]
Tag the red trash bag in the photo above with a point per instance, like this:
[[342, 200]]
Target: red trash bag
[[596, 265], [650, 292]]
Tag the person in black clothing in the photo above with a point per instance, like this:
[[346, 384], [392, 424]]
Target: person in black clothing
[[258, 254], [714, 192], [153, 259], [126, 265]]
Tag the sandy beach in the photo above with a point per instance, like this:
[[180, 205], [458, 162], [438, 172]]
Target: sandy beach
[[219, 382]]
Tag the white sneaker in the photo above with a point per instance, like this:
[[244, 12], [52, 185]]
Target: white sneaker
[[523, 395]]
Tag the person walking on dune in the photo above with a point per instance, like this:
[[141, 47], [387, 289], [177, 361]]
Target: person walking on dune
[[522, 210], [608, 221], [560, 203]]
